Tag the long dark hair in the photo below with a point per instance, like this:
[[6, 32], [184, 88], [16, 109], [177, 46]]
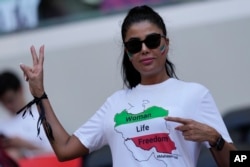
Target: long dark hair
[[131, 77]]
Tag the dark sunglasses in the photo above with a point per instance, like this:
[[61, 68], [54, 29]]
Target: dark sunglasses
[[152, 41]]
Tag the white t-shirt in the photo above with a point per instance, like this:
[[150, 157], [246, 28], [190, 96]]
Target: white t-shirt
[[132, 123], [26, 128]]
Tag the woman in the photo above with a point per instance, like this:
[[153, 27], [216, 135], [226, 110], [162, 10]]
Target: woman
[[157, 121]]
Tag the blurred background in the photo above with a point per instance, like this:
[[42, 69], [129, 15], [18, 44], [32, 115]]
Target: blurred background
[[209, 44]]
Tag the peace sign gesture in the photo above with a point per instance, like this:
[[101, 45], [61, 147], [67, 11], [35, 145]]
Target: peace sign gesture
[[34, 75]]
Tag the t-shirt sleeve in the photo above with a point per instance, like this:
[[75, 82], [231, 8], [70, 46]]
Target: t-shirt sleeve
[[91, 133], [211, 116]]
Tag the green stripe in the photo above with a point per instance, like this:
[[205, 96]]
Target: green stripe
[[126, 118]]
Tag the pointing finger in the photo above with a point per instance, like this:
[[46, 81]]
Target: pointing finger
[[178, 120]]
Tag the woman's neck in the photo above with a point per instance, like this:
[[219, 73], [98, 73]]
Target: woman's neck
[[150, 80]]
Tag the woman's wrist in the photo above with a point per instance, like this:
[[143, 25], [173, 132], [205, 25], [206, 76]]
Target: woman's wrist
[[220, 142], [38, 93], [38, 99], [213, 138], [216, 141]]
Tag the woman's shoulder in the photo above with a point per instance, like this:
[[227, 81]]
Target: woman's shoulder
[[189, 85]]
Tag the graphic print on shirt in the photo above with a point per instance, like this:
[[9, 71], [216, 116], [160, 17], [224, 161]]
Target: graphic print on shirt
[[146, 134]]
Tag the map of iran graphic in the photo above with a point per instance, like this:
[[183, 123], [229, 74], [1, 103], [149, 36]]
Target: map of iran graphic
[[145, 134]]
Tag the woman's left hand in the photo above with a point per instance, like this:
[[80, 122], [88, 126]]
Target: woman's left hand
[[195, 131]]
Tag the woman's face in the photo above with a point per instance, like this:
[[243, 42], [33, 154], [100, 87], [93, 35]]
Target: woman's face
[[148, 61]]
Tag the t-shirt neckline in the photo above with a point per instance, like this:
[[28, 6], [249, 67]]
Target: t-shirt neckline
[[154, 86]]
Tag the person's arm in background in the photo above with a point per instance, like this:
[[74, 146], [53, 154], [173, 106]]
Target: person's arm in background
[[17, 147], [66, 146], [17, 142]]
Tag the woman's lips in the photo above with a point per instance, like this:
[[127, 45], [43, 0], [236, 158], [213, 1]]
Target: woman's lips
[[147, 61]]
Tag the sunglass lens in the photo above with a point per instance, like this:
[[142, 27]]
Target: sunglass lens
[[133, 46], [153, 41]]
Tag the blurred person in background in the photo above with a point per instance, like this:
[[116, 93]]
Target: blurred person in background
[[18, 14], [17, 134]]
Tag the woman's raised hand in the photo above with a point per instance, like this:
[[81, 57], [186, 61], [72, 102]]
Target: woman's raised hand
[[34, 74]]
